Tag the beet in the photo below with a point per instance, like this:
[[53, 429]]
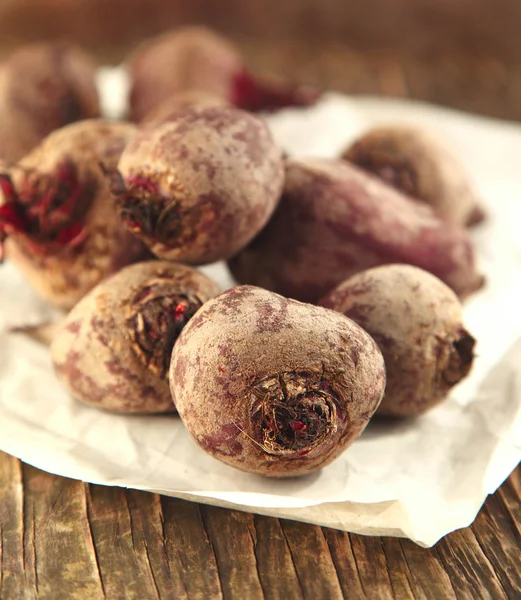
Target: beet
[[169, 108], [196, 58], [58, 220], [419, 164], [198, 188], [113, 350], [335, 220], [42, 88], [416, 320], [273, 386]]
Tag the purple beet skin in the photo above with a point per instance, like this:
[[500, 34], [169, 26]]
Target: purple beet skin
[[43, 87], [335, 220], [113, 350], [273, 386], [58, 221], [196, 58], [199, 187], [416, 320], [420, 165]]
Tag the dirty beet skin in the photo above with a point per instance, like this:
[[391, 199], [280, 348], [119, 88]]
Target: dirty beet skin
[[167, 110], [43, 87], [58, 221], [198, 188], [416, 320], [335, 220], [419, 164], [197, 58], [113, 350], [273, 386]]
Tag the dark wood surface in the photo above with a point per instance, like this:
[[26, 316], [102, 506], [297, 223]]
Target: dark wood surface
[[63, 539], [408, 26]]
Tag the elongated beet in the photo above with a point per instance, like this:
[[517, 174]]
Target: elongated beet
[[113, 350], [416, 320], [58, 219], [198, 188], [273, 386], [42, 88], [418, 163], [335, 220], [197, 58]]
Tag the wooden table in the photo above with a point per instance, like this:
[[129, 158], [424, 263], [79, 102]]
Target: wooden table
[[63, 539]]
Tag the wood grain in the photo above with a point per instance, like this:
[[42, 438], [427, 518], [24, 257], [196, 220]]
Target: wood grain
[[414, 26], [63, 539]]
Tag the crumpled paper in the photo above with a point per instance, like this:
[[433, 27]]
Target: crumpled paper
[[420, 479]]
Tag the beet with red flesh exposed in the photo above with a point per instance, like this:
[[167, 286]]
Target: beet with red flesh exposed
[[418, 164], [416, 320], [273, 386], [335, 220], [113, 350], [198, 188], [257, 95], [42, 88], [48, 212], [195, 58], [58, 220]]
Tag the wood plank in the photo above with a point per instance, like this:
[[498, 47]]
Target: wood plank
[[276, 569], [403, 581], [429, 576], [313, 562], [232, 536], [510, 496], [345, 563], [159, 562], [185, 536], [62, 539], [122, 549], [471, 574], [59, 556], [500, 542], [12, 576], [372, 566]]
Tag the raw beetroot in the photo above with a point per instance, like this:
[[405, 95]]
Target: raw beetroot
[[418, 164], [273, 386], [196, 58], [42, 88], [167, 110], [198, 188], [335, 220], [113, 350], [58, 216], [416, 320]]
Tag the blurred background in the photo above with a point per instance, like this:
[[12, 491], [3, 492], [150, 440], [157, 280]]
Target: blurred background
[[460, 53]]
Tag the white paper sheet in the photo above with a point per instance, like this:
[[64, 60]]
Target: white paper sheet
[[418, 479]]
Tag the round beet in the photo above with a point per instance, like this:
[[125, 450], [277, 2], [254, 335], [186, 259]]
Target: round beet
[[198, 188], [418, 164], [416, 320], [62, 228], [168, 110], [335, 220], [273, 386], [113, 349], [42, 88], [196, 58]]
